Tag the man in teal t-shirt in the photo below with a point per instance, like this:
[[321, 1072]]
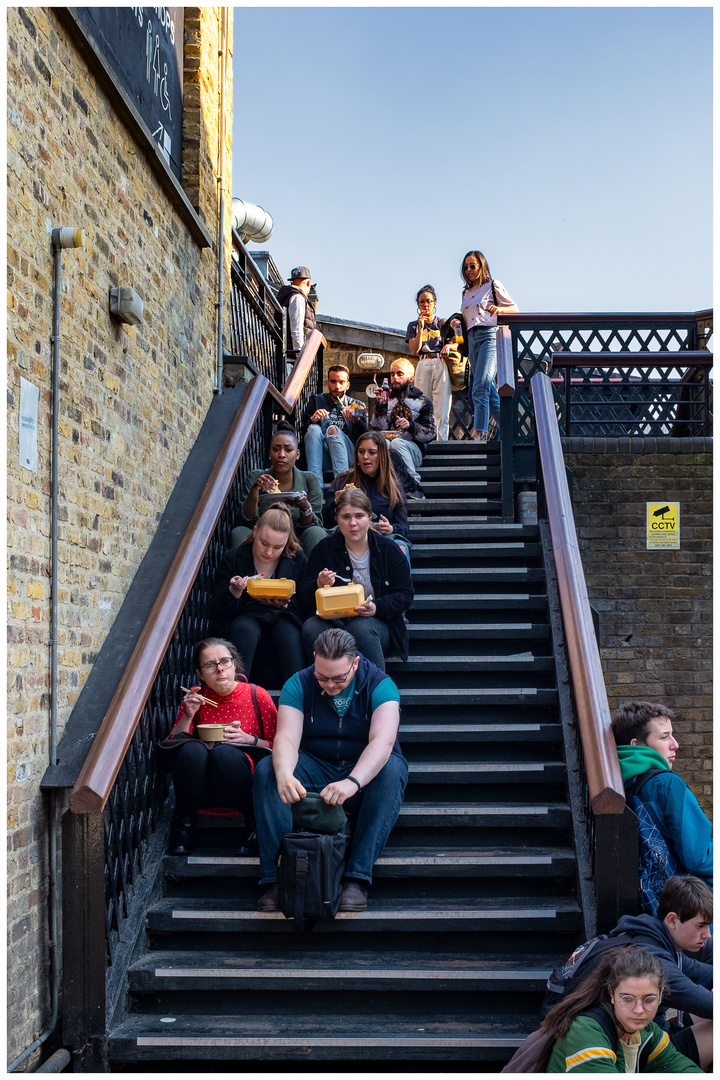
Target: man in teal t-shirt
[[337, 734], [644, 736]]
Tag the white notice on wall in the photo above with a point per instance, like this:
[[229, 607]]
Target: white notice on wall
[[29, 398]]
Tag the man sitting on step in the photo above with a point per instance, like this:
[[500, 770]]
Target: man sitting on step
[[409, 416], [337, 727]]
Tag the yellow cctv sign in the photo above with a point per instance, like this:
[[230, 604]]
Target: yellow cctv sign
[[663, 525]]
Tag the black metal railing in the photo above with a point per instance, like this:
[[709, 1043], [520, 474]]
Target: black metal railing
[[139, 795], [642, 396], [256, 318]]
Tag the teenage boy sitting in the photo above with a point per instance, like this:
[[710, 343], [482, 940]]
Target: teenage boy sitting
[[644, 736]]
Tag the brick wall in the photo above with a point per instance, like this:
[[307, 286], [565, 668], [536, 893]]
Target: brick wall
[[131, 402], [655, 606]]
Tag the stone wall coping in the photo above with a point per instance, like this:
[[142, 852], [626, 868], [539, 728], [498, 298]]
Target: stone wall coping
[[90, 51], [366, 335], [662, 444]]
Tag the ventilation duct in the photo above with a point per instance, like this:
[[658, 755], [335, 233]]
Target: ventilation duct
[[252, 222]]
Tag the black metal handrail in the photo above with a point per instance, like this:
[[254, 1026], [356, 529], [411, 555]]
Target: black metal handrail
[[653, 339]]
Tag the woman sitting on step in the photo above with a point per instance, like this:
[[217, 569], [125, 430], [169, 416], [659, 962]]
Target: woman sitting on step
[[374, 473], [283, 476], [356, 554], [217, 773], [606, 1025], [271, 550]]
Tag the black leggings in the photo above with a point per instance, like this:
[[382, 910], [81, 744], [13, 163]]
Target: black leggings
[[282, 636], [217, 777]]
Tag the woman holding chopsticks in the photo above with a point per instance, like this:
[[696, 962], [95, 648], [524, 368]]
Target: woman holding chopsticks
[[217, 774]]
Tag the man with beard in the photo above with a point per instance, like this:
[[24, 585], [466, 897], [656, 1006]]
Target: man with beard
[[410, 415], [331, 425]]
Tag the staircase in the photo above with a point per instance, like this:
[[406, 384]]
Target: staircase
[[474, 898]]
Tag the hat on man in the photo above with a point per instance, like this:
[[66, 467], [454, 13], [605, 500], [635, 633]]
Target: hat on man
[[315, 815], [300, 273]]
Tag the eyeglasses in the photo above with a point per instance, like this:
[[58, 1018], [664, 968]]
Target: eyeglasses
[[630, 1002], [471, 266], [213, 665], [325, 679], [425, 303]]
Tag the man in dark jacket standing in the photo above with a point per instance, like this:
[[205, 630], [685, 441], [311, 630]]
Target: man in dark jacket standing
[[301, 316], [337, 733]]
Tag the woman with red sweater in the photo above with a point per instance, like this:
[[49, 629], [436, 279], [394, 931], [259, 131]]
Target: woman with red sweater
[[210, 774]]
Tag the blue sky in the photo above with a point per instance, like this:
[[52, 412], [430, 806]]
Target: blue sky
[[573, 146]]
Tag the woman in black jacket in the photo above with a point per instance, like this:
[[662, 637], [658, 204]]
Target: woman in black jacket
[[356, 553], [273, 550]]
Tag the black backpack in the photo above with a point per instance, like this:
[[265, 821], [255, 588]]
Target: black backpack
[[311, 867], [657, 862], [581, 963]]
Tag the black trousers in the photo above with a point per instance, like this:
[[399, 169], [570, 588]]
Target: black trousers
[[218, 777], [282, 637]]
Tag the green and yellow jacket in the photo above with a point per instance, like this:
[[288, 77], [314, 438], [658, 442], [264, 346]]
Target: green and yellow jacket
[[587, 1049]]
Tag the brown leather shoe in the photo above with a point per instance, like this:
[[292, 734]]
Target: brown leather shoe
[[270, 900], [354, 897]]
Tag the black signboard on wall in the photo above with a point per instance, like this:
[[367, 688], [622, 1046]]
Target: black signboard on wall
[[144, 47]]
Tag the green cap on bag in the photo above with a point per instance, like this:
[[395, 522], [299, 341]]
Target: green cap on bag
[[315, 815]]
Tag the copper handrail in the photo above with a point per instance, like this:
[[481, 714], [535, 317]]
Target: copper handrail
[[110, 744], [605, 786], [288, 396], [505, 363], [97, 776]]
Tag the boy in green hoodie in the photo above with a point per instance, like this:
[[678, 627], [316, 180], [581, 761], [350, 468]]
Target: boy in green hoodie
[[644, 736]]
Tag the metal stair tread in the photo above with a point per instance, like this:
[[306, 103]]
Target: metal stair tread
[[428, 696], [316, 1030], [324, 967]]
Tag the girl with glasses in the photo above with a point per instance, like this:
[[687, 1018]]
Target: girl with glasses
[[217, 774], [482, 300], [431, 373], [606, 1025]]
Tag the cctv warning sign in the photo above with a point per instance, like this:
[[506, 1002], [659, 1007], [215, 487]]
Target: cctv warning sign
[[663, 525]]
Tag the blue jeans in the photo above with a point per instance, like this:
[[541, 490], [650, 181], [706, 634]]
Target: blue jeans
[[377, 807], [330, 451], [482, 353]]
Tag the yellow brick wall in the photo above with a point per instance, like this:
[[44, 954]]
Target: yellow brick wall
[[132, 399]]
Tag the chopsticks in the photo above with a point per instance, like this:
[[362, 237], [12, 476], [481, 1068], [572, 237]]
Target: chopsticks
[[205, 699]]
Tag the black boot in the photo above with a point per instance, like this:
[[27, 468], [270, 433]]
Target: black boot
[[249, 845], [181, 837]]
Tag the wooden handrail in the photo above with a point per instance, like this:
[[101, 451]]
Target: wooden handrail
[[288, 396], [97, 776], [505, 365], [605, 786], [679, 358]]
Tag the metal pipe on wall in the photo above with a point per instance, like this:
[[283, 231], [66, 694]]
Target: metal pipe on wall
[[61, 238], [220, 302]]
